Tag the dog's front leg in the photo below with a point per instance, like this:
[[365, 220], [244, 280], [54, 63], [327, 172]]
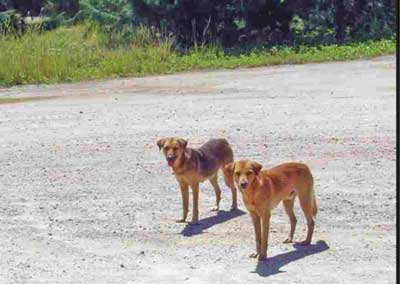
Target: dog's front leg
[[185, 201], [195, 191], [234, 198], [257, 232], [265, 218]]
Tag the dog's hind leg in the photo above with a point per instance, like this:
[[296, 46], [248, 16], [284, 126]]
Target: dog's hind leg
[[307, 205], [288, 205], [214, 183], [229, 183], [234, 198]]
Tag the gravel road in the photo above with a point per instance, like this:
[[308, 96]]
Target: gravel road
[[86, 197]]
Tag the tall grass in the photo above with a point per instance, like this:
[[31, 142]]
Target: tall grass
[[72, 54], [83, 53]]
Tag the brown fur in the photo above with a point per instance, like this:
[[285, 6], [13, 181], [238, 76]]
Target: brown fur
[[193, 166], [263, 190]]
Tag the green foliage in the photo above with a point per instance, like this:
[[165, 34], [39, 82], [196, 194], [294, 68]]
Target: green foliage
[[379, 21], [70, 54], [260, 22], [9, 21], [5, 5], [116, 20], [140, 37], [109, 14], [316, 25], [79, 53], [230, 23]]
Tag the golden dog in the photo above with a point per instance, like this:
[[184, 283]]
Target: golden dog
[[193, 166], [263, 190]]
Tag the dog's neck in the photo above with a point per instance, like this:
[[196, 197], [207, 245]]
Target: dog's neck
[[179, 165], [253, 187]]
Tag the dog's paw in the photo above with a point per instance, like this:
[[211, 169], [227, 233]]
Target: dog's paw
[[288, 241], [304, 243], [181, 221], [253, 255], [262, 257]]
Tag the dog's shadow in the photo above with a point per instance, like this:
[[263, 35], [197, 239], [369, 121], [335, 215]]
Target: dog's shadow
[[272, 265], [204, 224]]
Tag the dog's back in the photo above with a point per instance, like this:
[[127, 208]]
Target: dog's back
[[297, 175], [212, 155], [288, 172], [218, 149]]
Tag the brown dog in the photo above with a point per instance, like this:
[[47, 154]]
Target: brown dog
[[193, 166], [263, 190]]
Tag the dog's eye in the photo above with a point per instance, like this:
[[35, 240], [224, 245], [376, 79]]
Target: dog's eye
[[249, 173], [175, 148], [166, 148], [237, 174]]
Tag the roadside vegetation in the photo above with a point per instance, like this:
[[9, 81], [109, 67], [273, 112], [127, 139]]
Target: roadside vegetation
[[105, 39]]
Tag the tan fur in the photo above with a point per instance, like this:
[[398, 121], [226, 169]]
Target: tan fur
[[193, 166], [263, 190]]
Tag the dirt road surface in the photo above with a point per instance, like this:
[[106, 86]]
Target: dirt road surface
[[86, 197]]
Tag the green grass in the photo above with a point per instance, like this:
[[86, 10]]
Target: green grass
[[10, 100], [81, 53]]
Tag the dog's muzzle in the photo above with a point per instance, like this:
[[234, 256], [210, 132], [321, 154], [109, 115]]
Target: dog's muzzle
[[243, 184], [171, 160]]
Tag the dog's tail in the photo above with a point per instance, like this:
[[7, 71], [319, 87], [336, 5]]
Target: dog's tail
[[312, 197], [315, 208]]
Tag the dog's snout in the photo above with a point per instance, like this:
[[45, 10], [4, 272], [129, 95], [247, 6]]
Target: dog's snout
[[243, 184], [171, 160], [171, 157]]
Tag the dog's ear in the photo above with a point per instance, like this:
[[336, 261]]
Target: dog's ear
[[160, 143], [229, 168], [182, 142], [256, 167]]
